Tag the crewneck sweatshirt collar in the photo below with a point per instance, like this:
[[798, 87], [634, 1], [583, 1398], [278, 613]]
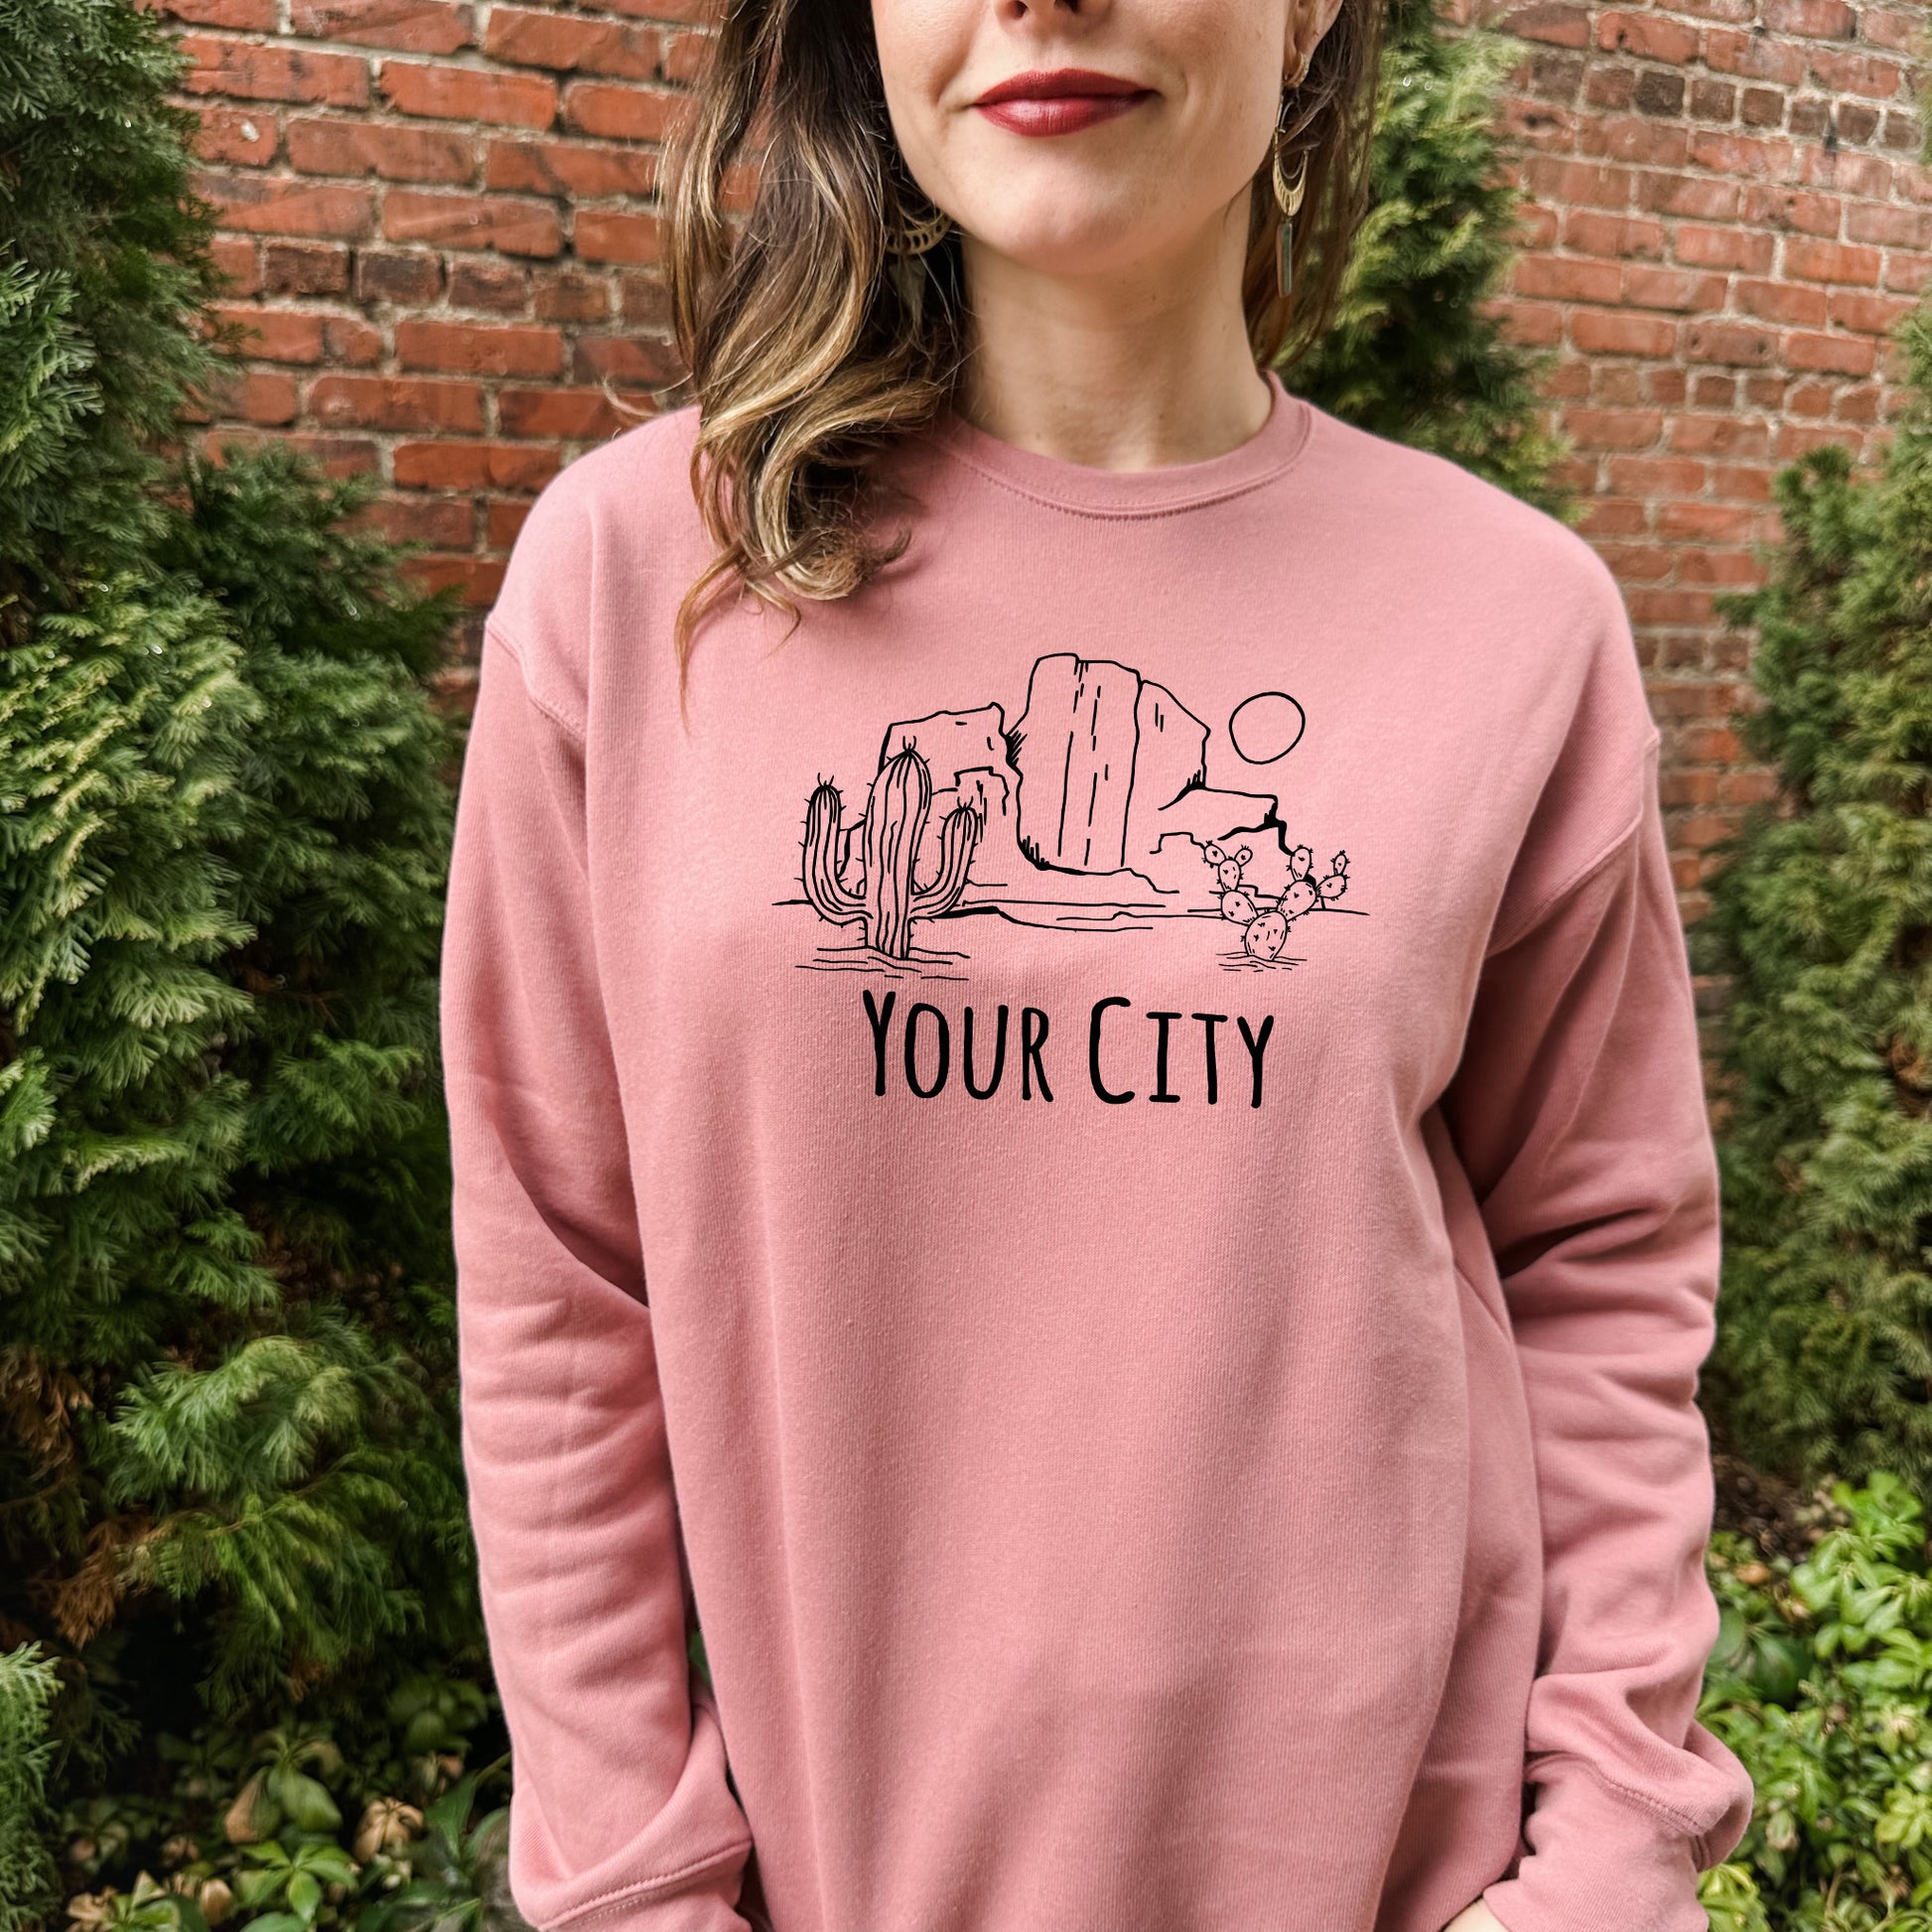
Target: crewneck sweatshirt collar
[[1156, 492]]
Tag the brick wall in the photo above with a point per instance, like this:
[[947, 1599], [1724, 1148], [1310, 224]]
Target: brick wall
[[1728, 216], [437, 216]]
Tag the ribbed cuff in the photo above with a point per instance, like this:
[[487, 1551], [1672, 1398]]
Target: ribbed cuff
[[1597, 1863]]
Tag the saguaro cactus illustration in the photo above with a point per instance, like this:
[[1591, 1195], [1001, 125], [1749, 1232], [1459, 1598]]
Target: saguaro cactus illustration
[[889, 899]]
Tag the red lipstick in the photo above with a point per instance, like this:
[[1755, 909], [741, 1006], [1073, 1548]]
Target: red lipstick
[[1061, 101]]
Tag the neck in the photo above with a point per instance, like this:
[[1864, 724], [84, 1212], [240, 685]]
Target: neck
[[1134, 368]]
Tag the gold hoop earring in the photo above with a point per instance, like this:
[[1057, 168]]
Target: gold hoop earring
[[1288, 194]]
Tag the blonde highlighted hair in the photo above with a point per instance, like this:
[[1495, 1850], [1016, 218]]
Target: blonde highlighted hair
[[807, 357]]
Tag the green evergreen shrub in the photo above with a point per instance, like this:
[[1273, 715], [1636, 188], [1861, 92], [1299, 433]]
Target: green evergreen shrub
[[230, 1500], [1418, 352], [27, 1688], [1821, 920], [1821, 1680]]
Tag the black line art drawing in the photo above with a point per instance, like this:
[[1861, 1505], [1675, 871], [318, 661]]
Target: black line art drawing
[[1090, 812]]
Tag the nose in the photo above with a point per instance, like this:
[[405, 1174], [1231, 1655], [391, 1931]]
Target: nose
[[1051, 12]]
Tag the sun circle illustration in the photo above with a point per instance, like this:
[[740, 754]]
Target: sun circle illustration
[[1265, 727]]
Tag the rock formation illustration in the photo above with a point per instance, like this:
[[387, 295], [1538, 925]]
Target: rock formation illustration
[[1091, 810]]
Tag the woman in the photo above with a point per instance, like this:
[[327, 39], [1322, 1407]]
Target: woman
[[1074, 1092]]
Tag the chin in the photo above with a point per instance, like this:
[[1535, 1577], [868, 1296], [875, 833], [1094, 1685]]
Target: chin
[[1060, 246]]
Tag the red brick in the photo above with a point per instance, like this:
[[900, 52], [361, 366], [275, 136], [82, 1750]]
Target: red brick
[[1738, 154], [1778, 207], [1784, 302], [1705, 522], [569, 170], [1644, 142], [478, 351], [1648, 37], [1812, 20], [1615, 429], [1727, 569], [1705, 201], [1848, 172], [1698, 246], [479, 579], [1551, 22], [1871, 315], [263, 396], [1598, 332], [245, 71], [683, 52], [1613, 516], [1691, 434], [334, 147], [604, 235], [1831, 261], [1656, 475], [525, 466], [1898, 228], [251, 205], [236, 135], [439, 520], [1723, 342], [580, 415], [1578, 183], [277, 334], [236, 263], [482, 282], [618, 112], [1564, 278], [339, 456], [630, 362], [577, 295], [535, 38], [410, 26], [384, 275], [1687, 607], [473, 222], [1857, 74], [1639, 563], [468, 95], [1847, 354], [1588, 233], [645, 300], [503, 520], [397, 403], [306, 267], [238, 16], [1909, 273], [1741, 483], [1536, 325], [1753, 57], [1672, 288]]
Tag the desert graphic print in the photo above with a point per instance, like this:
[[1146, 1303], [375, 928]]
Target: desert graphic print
[[1090, 812]]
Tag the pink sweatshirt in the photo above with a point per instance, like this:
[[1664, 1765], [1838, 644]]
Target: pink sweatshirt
[[1098, 1164]]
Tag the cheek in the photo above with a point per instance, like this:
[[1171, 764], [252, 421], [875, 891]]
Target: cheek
[[922, 46]]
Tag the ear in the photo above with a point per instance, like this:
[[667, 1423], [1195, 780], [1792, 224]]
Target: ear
[[1307, 22], [1245, 854]]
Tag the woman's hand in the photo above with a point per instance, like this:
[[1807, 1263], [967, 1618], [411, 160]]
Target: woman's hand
[[1474, 1917]]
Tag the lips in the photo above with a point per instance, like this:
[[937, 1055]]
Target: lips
[[1059, 102]]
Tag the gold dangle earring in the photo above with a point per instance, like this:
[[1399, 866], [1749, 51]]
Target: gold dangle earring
[[905, 244], [916, 237], [1288, 194]]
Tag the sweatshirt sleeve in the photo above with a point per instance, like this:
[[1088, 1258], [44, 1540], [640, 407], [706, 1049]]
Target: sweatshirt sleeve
[[1578, 1112], [621, 1815]]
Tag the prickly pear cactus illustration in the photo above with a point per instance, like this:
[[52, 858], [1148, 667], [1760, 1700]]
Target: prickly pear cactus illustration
[[888, 898], [1237, 902], [1267, 935]]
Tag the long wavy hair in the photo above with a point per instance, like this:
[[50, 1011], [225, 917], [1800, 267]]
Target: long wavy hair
[[809, 348]]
